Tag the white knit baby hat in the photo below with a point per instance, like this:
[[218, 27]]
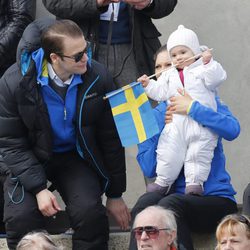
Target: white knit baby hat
[[184, 37]]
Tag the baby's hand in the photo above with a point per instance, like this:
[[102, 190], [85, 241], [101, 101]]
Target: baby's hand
[[206, 56], [144, 80]]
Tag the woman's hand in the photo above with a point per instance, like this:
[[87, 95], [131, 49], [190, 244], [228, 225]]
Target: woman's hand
[[179, 105], [169, 115]]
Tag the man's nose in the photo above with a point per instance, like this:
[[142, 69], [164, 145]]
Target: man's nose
[[84, 57], [144, 236]]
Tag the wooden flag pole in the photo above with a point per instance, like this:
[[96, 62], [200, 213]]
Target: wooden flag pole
[[151, 76], [121, 89]]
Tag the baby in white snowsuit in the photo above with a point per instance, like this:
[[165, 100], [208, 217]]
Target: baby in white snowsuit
[[184, 141]]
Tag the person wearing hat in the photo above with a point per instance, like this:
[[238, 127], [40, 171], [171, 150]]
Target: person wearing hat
[[184, 141]]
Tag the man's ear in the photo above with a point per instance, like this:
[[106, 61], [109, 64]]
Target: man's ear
[[172, 237], [54, 57]]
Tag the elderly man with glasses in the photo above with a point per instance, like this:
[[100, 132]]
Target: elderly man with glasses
[[56, 126], [155, 229]]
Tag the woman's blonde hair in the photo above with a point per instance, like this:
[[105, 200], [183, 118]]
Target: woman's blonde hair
[[229, 224]]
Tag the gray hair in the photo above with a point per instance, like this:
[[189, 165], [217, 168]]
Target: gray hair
[[167, 217], [37, 241]]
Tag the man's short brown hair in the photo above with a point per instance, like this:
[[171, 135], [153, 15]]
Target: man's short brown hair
[[53, 37]]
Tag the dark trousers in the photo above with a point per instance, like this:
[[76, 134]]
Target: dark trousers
[[79, 186], [115, 63], [193, 213]]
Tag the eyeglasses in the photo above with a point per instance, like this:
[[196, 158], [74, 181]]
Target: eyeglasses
[[77, 57], [243, 219], [151, 231]]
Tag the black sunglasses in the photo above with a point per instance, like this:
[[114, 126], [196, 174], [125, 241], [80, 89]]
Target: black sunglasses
[[77, 57], [151, 231]]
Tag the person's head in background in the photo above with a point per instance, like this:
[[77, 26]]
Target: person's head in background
[[233, 233], [37, 241], [155, 228], [162, 60], [183, 44]]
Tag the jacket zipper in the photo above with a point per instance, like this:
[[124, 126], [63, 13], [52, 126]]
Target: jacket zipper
[[65, 113]]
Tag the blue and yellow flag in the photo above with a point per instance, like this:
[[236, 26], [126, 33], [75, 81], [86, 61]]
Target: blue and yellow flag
[[133, 114]]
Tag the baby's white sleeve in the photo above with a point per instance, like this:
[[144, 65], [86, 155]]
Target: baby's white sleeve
[[158, 90], [214, 75]]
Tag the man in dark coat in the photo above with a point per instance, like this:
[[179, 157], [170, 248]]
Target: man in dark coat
[[125, 40], [15, 15], [56, 126]]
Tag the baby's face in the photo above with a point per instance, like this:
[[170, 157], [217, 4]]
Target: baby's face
[[180, 55]]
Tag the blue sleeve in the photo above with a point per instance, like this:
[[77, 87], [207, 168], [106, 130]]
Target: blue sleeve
[[146, 156], [222, 122]]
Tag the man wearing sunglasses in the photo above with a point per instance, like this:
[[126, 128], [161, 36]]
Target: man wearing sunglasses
[[56, 126], [155, 229]]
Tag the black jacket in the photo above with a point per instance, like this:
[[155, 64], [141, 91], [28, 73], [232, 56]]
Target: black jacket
[[145, 36], [15, 15], [26, 135]]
